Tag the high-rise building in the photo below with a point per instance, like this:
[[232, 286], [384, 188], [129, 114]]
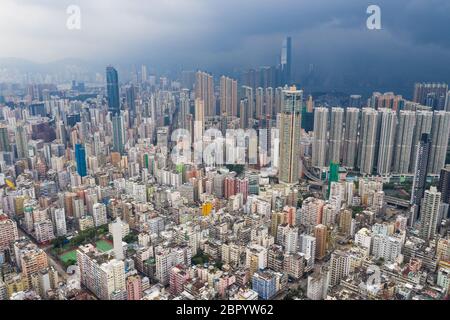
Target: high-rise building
[[116, 229], [286, 61], [228, 96], [134, 287], [351, 137], [4, 139], [317, 287], [336, 135], [431, 94], [339, 267], [320, 233], [367, 145], [319, 144], [103, 277], [440, 133], [21, 141], [59, 220], [99, 214], [424, 121], [8, 231], [112, 88], [80, 159], [118, 134], [420, 170], [290, 123], [403, 142], [429, 213], [388, 127], [204, 90], [444, 184], [199, 121]]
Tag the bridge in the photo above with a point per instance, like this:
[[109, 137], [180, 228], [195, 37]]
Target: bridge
[[397, 201]]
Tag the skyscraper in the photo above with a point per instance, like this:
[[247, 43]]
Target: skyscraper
[[366, 154], [4, 138], [228, 96], [339, 267], [388, 127], [286, 60], [351, 137], [117, 239], [424, 120], [319, 146], [118, 133], [204, 90], [444, 184], [320, 233], [336, 135], [431, 94], [429, 213], [403, 142], [112, 88], [290, 123], [80, 159], [440, 133], [21, 142], [420, 170]]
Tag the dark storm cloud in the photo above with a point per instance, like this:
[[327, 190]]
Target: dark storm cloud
[[414, 43]]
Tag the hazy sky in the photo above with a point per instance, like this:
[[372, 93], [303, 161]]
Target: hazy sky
[[414, 43]]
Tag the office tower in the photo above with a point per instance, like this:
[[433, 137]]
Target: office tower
[[319, 144], [204, 90], [336, 135], [21, 142], [243, 111], [351, 137], [8, 231], [130, 93], [112, 88], [59, 220], [440, 133], [388, 128], [444, 184], [424, 121], [290, 127], [105, 279], [429, 213], [355, 101], [259, 103], [286, 61], [403, 142], [99, 214], [116, 229], [320, 233], [367, 144], [431, 94], [228, 96], [80, 159], [339, 267], [421, 170], [4, 139], [118, 134]]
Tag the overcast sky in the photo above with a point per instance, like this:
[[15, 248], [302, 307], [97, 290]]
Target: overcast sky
[[414, 43]]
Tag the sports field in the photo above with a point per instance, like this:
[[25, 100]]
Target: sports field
[[102, 245]]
